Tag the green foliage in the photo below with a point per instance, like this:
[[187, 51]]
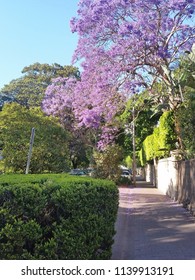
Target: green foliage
[[146, 118], [186, 119], [56, 217], [128, 161], [144, 127], [29, 89], [123, 181], [50, 149], [149, 106], [161, 142], [186, 70], [166, 135], [185, 114], [107, 163], [147, 151]]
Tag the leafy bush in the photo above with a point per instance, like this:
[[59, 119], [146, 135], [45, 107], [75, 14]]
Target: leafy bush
[[124, 181], [107, 163], [160, 143], [56, 217]]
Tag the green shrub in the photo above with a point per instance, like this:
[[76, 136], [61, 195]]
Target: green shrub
[[56, 217], [160, 143], [107, 163], [124, 181]]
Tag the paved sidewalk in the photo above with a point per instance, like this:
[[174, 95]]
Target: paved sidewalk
[[150, 226]]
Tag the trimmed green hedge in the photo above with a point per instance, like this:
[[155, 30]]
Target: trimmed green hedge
[[161, 142], [56, 217]]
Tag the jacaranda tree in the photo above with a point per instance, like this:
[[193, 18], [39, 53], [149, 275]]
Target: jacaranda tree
[[87, 116], [59, 102], [126, 46], [132, 43]]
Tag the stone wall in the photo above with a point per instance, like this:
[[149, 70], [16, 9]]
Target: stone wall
[[186, 184], [177, 179]]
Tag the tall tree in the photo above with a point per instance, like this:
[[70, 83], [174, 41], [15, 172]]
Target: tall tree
[[126, 46], [28, 90], [50, 149]]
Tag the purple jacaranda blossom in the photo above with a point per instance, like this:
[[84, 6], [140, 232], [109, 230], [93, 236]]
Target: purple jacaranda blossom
[[79, 105], [123, 46], [133, 35], [58, 100]]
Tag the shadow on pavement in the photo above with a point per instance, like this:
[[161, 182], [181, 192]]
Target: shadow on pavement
[[150, 226]]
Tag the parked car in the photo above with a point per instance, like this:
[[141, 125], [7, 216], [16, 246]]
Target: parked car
[[77, 172], [125, 178], [127, 174]]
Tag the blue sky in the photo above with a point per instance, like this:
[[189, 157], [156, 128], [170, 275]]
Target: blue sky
[[34, 31]]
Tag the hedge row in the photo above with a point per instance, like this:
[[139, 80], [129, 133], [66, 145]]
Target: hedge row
[[56, 217], [161, 142]]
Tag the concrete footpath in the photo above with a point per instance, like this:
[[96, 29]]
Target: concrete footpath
[[150, 226]]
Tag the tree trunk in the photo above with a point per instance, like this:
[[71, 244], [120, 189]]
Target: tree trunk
[[178, 132]]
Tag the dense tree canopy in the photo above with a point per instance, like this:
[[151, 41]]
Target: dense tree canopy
[[80, 115], [126, 46], [133, 38], [28, 90], [50, 149]]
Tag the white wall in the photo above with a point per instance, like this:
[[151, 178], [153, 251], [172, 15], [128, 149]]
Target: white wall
[[167, 173], [149, 173]]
